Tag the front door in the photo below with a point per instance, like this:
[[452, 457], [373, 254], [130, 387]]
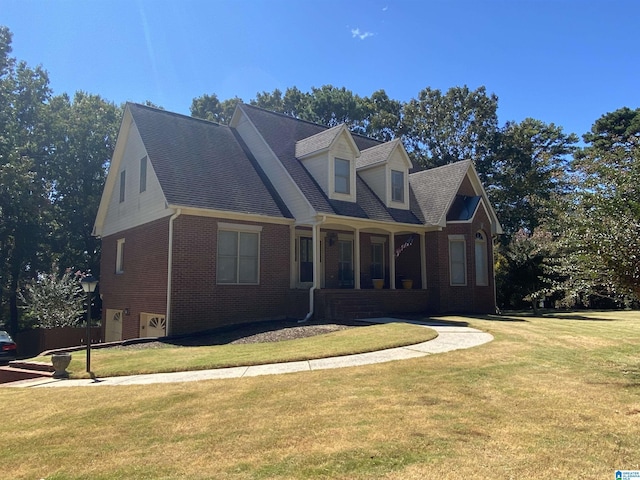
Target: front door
[[345, 263], [113, 326]]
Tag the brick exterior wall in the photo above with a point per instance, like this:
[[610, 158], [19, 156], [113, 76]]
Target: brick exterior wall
[[468, 298], [141, 287], [408, 264], [199, 303]]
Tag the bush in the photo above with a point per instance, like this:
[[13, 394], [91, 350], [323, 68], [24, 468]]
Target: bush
[[54, 300]]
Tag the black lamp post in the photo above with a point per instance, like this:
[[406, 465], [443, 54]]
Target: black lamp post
[[89, 286]]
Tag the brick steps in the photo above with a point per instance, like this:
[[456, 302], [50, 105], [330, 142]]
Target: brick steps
[[27, 365], [349, 308], [17, 371]]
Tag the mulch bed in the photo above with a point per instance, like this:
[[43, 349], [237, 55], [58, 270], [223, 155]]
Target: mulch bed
[[262, 332]]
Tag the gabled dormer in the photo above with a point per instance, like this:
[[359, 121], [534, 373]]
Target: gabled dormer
[[385, 168], [330, 156]]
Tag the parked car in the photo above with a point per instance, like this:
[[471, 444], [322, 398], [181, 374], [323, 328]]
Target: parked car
[[8, 347]]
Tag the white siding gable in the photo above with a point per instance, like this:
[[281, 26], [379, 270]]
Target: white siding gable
[[397, 162], [343, 149], [318, 155], [138, 207], [376, 178], [377, 167], [318, 167]]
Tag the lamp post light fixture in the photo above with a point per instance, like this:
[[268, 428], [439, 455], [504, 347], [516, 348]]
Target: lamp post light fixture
[[89, 283]]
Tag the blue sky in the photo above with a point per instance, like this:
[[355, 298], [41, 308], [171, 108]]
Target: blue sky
[[561, 61]]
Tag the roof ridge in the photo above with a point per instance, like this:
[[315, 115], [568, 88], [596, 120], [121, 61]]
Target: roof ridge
[[309, 122], [448, 165], [284, 115], [175, 114]]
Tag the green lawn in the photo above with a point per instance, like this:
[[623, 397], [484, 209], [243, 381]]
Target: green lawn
[[549, 398], [116, 362]]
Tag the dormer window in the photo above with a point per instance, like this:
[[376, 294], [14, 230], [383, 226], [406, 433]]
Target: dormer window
[[397, 186], [342, 181]]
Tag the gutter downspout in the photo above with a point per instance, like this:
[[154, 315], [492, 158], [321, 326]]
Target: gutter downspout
[[170, 270], [315, 229]]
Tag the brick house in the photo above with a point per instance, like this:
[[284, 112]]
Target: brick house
[[204, 225]]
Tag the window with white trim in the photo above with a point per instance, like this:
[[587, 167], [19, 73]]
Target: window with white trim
[[120, 255], [457, 260], [238, 255], [481, 257], [397, 186], [342, 175]]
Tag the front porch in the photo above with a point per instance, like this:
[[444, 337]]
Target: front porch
[[345, 305], [347, 257]]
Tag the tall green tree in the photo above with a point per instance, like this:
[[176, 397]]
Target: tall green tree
[[459, 125], [381, 116], [331, 106], [209, 107], [604, 221], [24, 187], [530, 174], [82, 134], [294, 102]]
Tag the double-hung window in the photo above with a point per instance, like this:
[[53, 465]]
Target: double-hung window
[[482, 264], [457, 260], [397, 186], [342, 178], [238, 254]]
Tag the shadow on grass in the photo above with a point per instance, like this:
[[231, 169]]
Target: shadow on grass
[[486, 317], [433, 321], [551, 313], [231, 333], [566, 316]]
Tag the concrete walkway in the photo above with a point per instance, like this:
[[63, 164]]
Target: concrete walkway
[[449, 338]]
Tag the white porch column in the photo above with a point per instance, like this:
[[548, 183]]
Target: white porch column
[[292, 257], [356, 263], [423, 260], [392, 261]]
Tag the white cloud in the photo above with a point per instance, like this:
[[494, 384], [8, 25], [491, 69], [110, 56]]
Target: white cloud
[[356, 33], [384, 9]]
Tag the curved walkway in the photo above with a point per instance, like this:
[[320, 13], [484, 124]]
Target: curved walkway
[[449, 338]]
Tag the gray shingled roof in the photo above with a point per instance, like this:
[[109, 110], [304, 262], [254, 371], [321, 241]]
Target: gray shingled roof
[[281, 133], [202, 164], [205, 165], [434, 190], [376, 154], [318, 142]]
